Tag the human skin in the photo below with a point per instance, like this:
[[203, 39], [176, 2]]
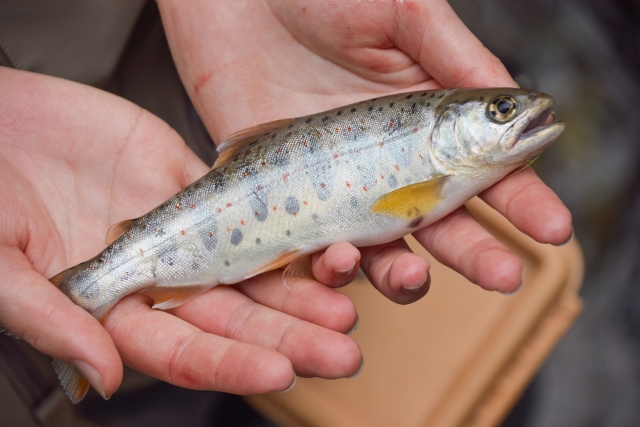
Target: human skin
[[245, 62], [74, 160]]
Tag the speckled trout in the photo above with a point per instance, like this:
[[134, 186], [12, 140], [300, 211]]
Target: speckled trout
[[366, 173]]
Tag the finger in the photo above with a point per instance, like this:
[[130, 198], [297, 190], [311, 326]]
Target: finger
[[313, 350], [165, 347], [305, 299], [432, 34], [460, 242], [35, 310], [532, 207], [396, 272], [337, 266]]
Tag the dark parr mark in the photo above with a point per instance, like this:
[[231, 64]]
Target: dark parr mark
[[291, 205], [353, 202], [409, 96], [353, 110], [236, 237], [339, 113], [393, 182]]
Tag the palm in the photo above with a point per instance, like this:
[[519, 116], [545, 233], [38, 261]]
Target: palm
[[73, 161]]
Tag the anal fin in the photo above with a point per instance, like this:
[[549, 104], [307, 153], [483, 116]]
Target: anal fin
[[74, 384], [280, 261], [166, 297], [298, 269]]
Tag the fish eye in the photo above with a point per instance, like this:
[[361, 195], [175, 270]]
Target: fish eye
[[502, 109]]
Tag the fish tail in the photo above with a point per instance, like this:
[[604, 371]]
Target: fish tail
[[75, 385]]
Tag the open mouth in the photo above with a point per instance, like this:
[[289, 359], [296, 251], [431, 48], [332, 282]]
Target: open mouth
[[543, 119], [541, 128]]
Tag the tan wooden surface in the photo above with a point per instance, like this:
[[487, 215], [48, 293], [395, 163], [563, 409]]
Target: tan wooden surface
[[460, 356]]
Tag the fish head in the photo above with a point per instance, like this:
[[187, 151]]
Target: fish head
[[499, 128]]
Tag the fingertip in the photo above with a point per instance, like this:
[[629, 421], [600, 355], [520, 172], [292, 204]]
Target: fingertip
[[409, 278], [337, 266], [499, 270]]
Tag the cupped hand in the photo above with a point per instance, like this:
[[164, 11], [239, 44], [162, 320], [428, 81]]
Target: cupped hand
[[245, 62], [74, 160]]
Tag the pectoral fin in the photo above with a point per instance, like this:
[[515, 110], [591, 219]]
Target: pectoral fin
[[74, 384], [298, 269], [166, 297], [412, 201], [277, 262]]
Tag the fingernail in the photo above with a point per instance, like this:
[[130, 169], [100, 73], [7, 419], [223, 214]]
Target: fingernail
[[568, 240], [516, 290], [355, 327], [414, 289], [345, 273], [92, 375], [359, 370], [291, 386]]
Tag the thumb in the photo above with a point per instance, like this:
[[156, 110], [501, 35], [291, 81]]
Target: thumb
[[35, 310], [432, 34]]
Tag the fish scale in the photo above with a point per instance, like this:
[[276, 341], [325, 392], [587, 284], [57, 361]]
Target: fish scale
[[366, 173]]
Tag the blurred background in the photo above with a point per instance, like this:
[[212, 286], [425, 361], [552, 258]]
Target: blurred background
[[587, 55]]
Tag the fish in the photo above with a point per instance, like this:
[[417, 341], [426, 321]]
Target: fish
[[366, 173]]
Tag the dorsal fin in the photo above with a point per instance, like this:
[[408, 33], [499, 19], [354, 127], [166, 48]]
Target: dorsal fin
[[238, 141], [118, 229]]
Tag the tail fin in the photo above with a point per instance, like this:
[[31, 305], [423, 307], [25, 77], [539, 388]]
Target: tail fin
[[74, 384]]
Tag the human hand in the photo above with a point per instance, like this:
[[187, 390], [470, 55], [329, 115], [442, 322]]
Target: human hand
[[74, 160], [244, 62]]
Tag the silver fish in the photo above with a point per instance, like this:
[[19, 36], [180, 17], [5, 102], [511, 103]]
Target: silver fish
[[366, 173]]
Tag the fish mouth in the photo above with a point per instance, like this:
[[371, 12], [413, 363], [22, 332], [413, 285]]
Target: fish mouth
[[541, 129]]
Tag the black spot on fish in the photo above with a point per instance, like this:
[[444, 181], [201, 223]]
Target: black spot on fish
[[392, 104], [409, 96], [194, 265], [374, 99], [339, 113], [424, 94], [309, 120], [353, 110], [289, 127], [267, 134], [325, 118], [380, 109], [481, 98], [393, 182], [291, 205], [402, 109], [432, 95], [441, 96], [236, 237], [353, 201], [274, 136], [226, 263], [258, 241], [370, 109], [428, 104], [288, 233]]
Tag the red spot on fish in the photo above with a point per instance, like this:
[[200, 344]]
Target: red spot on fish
[[305, 143], [319, 134], [177, 206], [278, 151], [201, 80], [295, 214], [219, 210], [275, 208], [263, 163], [285, 177], [403, 149], [305, 202], [183, 232], [382, 176], [348, 184], [381, 144], [141, 251], [323, 185], [415, 130], [362, 121], [420, 155], [244, 174], [337, 130], [193, 205], [128, 236], [398, 168], [211, 181], [364, 188], [229, 204], [260, 187], [210, 234], [349, 128], [257, 213], [391, 124], [335, 156], [228, 230], [242, 221]]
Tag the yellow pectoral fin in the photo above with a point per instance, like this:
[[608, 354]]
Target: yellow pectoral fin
[[412, 201]]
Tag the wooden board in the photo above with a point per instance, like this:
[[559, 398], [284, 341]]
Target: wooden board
[[461, 356]]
